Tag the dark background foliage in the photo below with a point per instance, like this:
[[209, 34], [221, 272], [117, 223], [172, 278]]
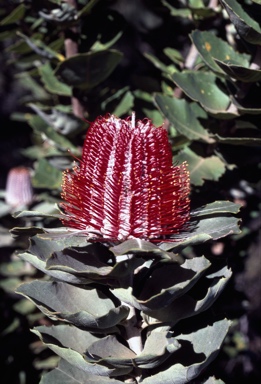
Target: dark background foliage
[[153, 44]]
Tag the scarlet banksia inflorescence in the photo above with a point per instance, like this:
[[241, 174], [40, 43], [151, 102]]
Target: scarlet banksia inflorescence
[[126, 185]]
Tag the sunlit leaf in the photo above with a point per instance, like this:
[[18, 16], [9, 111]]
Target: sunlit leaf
[[183, 117], [212, 47], [200, 168], [201, 87]]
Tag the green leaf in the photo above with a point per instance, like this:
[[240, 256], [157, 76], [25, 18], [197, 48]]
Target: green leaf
[[36, 91], [46, 176], [51, 83], [76, 305], [87, 8], [201, 87], [186, 306], [48, 133], [26, 231], [125, 105], [157, 349], [177, 12], [37, 45], [183, 117], [89, 69], [158, 64], [58, 275], [211, 47], [247, 141], [183, 305], [15, 268], [60, 121], [5, 209], [169, 281], [44, 244], [209, 222], [96, 266], [69, 374], [143, 248], [110, 351], [37, 214], [201, 169], [216, 208], [240, 73], [70, 343], [247, 27], [16, 15], [174, 55]]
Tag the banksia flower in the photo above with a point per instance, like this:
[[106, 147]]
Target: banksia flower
[[125, 185], [19, 190]]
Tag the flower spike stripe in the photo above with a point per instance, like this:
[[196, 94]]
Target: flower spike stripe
[[125, 185]]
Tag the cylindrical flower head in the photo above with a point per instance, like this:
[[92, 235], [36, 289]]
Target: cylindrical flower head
[[19, 190], [125, 185]]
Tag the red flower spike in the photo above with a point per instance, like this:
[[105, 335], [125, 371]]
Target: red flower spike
[[125, 185]]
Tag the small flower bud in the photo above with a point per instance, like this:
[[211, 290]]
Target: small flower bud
[[18, 187]]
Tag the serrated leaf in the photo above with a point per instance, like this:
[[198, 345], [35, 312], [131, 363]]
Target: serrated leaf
[[52, 84], [66, 373], [216, 208], [158, 347], [247, 27], [211, 47], [169, 281], [176, 373], [200, 168], [96, 266], [76, 305], [110, 351], [70, 343], [210, 222], [89, 69], [183, 117], [186, 306], [201, 87]]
